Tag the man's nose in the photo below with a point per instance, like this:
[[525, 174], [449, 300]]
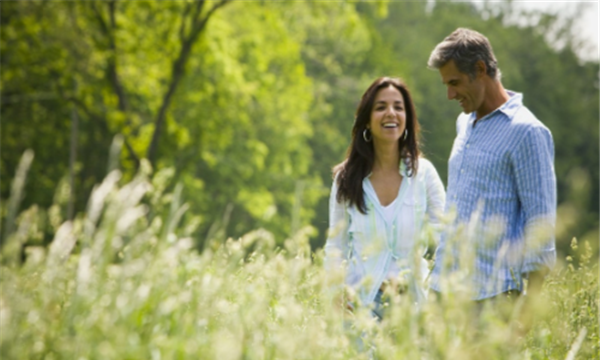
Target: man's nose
[[450, 93]]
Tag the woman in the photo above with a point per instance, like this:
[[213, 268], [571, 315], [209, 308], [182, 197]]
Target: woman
[[382, 195]]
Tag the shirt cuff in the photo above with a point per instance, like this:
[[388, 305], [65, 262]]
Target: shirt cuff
[[545, 259]]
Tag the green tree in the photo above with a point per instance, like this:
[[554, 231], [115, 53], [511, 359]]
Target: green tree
[[234, 128], [250, 104]]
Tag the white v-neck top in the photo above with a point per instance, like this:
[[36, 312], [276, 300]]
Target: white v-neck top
[[387, 241], [388, 211]]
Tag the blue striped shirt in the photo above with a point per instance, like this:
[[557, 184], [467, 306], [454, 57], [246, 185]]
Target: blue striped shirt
[[502, 201]]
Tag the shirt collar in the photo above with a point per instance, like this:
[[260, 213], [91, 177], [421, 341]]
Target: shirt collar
[[513, 104], [403, 169], [509, 108]]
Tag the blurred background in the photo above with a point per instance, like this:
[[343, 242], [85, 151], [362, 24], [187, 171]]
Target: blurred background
[[249, 104]]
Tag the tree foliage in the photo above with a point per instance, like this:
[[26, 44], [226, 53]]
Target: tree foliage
[[249, 104]]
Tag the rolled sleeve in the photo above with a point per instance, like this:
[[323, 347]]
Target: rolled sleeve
[[436, 200], [336, 246]]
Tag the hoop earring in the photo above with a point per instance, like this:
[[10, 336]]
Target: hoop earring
[[367, 135], [405, 134]]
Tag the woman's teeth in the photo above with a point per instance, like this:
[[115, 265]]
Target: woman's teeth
[[390, 125]]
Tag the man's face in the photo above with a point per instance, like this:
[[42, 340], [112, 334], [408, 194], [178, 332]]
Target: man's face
[[468, 92]]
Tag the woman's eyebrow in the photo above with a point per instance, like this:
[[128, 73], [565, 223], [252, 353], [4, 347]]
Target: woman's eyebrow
[[384, 102]]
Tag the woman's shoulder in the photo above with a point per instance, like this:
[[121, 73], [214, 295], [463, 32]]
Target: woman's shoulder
[[426, 169], [425, 164]]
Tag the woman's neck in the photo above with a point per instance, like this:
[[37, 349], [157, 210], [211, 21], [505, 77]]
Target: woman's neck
[[387, 158]]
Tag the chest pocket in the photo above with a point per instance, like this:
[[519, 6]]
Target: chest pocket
[[366, 234], [409, 222]]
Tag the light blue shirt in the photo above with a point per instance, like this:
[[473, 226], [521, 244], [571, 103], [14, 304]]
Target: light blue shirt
[[373, 247], [502, 192]]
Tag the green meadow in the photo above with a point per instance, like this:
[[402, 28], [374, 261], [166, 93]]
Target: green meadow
[[120, 283], [165, 172]]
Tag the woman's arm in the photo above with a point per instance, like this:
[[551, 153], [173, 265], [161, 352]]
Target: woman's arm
[[436, 199], [336, 247]]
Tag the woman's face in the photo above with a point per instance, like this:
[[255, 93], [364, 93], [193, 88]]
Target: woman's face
[[388, 116]]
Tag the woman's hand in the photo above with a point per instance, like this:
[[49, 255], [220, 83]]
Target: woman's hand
[[345, 300]]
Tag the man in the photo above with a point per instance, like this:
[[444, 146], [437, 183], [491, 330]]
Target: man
[[501, 181]]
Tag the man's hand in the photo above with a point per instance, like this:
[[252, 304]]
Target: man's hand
[[533, 305], [535, 281]]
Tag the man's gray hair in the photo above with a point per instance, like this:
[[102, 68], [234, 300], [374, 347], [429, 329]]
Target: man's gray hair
[[466, 47]]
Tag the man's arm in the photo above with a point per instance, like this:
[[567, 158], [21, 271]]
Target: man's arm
[[536, 280], [536, 186]]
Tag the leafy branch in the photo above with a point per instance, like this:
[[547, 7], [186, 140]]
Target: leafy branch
[[194, 19], [108, 30], [198, 23]]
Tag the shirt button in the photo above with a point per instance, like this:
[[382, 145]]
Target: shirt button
[[462, 171]]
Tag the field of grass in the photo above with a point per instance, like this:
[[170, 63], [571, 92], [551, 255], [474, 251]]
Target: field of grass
[[121, 284]]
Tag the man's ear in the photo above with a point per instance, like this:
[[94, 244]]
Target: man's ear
[[480, 68]]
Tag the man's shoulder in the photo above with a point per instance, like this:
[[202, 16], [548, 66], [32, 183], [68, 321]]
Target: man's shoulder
[[526, 128], [524, 119]]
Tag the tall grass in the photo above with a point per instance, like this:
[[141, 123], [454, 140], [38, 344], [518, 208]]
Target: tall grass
[[124, 282]]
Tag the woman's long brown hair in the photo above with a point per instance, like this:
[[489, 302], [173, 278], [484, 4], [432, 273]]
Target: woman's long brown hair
[[361, 155]]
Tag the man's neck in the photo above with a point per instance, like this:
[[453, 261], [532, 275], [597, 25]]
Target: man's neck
[[495, 96]]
